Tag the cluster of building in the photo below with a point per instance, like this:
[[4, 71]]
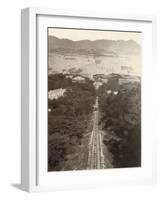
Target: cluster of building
[[127, 79], [114, 81]]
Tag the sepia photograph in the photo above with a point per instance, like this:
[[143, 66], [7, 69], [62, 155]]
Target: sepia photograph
[[94, 99]]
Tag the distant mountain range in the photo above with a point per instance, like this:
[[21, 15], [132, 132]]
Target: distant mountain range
[[103, 46]]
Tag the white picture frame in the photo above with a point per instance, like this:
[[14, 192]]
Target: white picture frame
[[30, 138]]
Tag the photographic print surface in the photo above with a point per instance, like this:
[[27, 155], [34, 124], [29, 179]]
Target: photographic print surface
[[94, 99]]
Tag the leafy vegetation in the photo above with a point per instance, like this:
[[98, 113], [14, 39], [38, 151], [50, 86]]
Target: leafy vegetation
[[121, 119], [68, 119]]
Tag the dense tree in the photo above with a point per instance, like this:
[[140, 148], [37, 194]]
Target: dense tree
[[68, 119], [121, 119]]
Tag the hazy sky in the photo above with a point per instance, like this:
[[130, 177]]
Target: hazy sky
[[78, 34]]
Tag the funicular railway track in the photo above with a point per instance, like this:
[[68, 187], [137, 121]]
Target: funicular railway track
[[96, 157]]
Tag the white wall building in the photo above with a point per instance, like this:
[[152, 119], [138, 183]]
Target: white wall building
[[55, 94], [78, 79]]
